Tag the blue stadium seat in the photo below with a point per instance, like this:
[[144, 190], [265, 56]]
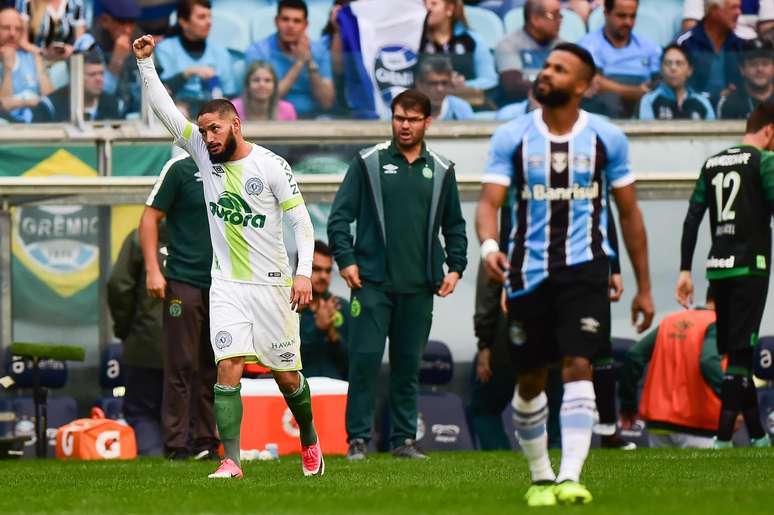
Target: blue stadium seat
[[620, 347], [437, 367], [442, 425], [652, 25], [573, 28], [596, 19], [112, 407], [485, 23], [61, 411], [763, 360], [766, 408], [230, 30], [514, 19], [53, 373], [111, 369], [262, 23]]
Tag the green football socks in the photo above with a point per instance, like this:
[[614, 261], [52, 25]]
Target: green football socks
[[228, 415], [300, 404]]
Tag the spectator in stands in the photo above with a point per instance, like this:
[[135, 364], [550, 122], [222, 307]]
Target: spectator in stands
[[757, 69], [113, 32], [137, 322], [714, 49], [325, 322], [516, 109], [154, 16], [752, 13], [447, 32], [331, 40], [53, 26], [194, 69], [673, 99], [680, 397], [260, 96], [24, 76], [303, 67], [521, 54], [627, 63], [434, 79], [97, 104]]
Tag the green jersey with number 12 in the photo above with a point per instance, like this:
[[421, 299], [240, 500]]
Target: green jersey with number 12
[[737, 186]]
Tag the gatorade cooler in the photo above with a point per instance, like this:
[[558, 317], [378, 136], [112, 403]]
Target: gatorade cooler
[[95, 438]]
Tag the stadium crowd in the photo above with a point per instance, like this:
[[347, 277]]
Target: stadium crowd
[[658, 59]]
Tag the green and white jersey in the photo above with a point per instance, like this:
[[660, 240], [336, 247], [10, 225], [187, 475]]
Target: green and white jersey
[[245, 199]]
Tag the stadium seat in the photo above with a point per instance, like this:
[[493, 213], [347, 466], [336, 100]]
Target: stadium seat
[[61, 410], [230, 30], [239, 67], [596, 19], [486, 24], [766, 408], [573, 28], [261, 23], [437, 367], [441, 424], [652, 24], [111, 370], [508, 425], [514, 19], [763, 361], [620, 347], [53, 373]]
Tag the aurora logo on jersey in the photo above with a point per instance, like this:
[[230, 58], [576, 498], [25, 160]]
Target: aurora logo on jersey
[[233, 209]]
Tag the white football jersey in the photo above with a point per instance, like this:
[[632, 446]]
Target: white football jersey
[[245, 200]]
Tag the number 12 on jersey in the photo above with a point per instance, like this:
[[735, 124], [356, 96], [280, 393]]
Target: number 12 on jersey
[[723, 181]]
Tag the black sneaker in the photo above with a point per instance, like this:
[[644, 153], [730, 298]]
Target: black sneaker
[[178, 454], [357, 450], [207, 455], [615, 441], [409, 449]]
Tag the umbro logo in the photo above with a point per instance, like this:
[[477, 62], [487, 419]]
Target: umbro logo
[[589, 325], [390, 169], [287, 357], [218, 170]]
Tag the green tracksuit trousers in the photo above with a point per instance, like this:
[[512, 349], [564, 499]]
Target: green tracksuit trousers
[[406, 320]]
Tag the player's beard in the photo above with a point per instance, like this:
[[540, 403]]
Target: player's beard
[[229, 147], [552, 98]]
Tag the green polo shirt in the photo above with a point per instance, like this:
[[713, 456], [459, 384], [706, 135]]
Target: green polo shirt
[[407, 192], [180, 194]]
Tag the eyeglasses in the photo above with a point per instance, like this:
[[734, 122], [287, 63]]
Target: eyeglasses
[[320, 269], [410, 119], [553, 16]]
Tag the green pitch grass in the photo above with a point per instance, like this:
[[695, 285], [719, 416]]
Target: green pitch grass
[[651, 482]]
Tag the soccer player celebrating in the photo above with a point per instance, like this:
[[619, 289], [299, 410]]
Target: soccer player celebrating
[[253, 297], [560, 163], [737, 186]]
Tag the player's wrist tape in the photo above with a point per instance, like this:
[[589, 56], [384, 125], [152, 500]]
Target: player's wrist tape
[[489, 246]]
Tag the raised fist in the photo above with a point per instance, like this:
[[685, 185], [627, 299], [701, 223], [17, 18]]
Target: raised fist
[[143, 47]]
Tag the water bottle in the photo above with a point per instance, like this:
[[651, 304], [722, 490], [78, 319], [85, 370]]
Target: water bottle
[[273, 450]]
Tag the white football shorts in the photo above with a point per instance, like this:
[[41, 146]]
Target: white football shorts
[[254, 321]]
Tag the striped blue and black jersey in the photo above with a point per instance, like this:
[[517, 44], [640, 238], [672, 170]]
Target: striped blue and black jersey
[[560, 193]]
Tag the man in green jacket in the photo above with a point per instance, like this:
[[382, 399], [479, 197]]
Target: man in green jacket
[[400, 194], [137, 322], [188, 416]]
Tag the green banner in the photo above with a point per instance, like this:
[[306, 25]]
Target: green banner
[[56, 248]]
